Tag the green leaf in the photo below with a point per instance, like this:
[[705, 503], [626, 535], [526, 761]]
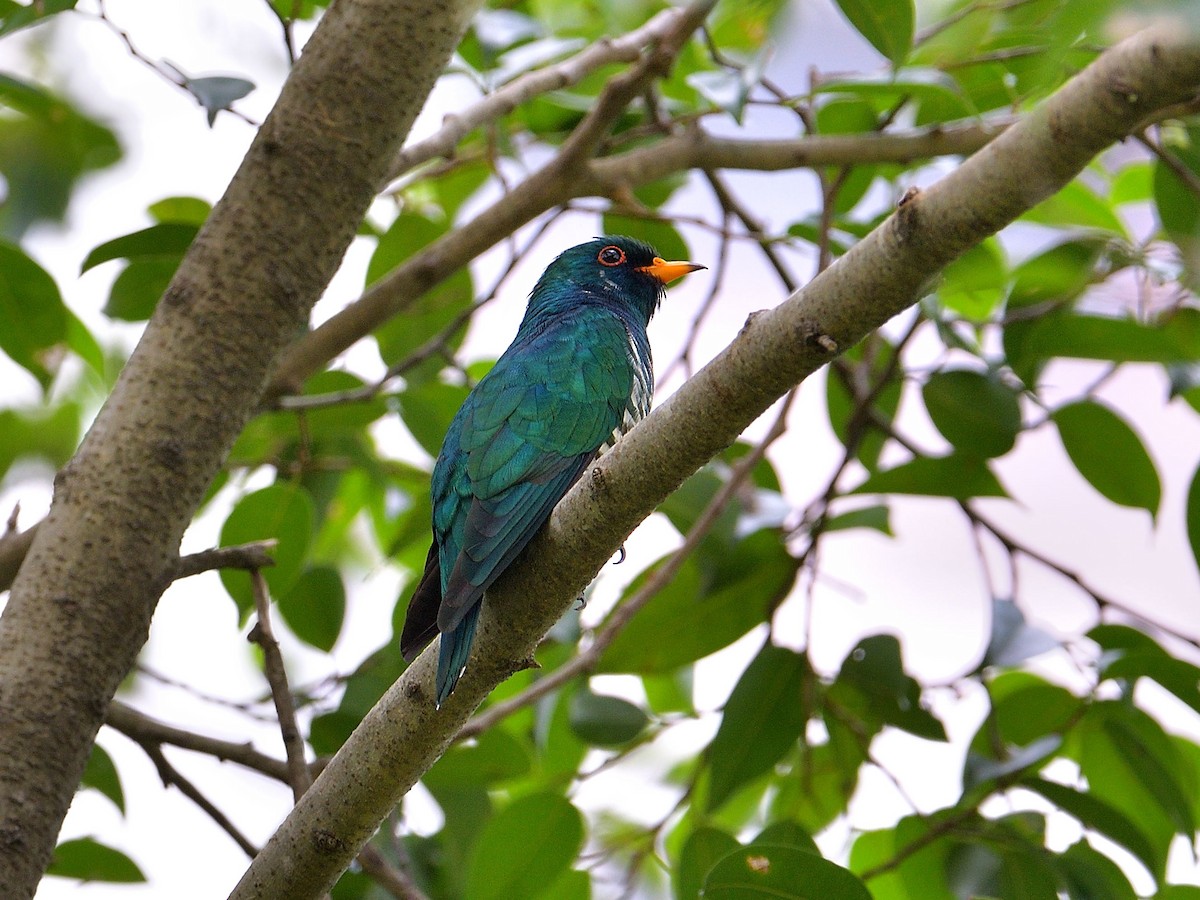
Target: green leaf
[[315, 607], [1192, 516], [528, 845], [764, 717], [1109, 454], [886, 24], [1090, 875], [1057, 275], [183, 210], [974, 284], [425, 316], [1096, 814], [166, 240], [1175, 199], [916, 84], [15, 16], [758, 572], [33, 318], [497, 756], [604, 720], [49, 433], [428, 409], [704, 848], [101, 774], [281, 511], [1076, 204], [46, 147], [876, 517], [137, 289], [1134, 183], [957, 475], [977, 413], [89, 860], [873, 360], [777, 872], [1172, 339], [875, 669]]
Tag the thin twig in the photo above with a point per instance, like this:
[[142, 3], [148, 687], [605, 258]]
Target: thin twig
[[299, 775], [253, 556], [171, 776]]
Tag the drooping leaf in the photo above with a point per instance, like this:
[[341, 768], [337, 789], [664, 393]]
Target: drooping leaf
[[977, 413], [315, 606], [33, 318], [875, 670], [528, 845], [957, 475], [283, 512], [164, 240], [1109, 454], [15, 16], [764, 717], [974, 284], [604, 720], [101, 774], [886, 24], [86, 859], [876, 517], [1192, 516]]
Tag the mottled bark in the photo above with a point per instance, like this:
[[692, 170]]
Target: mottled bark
[[80, 607]]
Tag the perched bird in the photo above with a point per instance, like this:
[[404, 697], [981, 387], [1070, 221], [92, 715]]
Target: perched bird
[[577, 375]]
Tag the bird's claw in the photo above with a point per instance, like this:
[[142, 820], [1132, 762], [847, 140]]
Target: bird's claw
[[620, 555], [582, 601]]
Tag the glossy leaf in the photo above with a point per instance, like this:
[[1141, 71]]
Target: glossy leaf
[[977, 413], [778, 872], [604, 720], [521, 851], [764, 717], [1109, 454], [887, 24], [87, 859], [283, 512], [315, 607], [957, 475]]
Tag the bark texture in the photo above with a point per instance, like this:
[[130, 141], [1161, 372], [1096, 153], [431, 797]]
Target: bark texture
[[80, 607], [880, 277]]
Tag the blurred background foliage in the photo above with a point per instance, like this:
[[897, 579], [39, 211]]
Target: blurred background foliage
[[1074, 780]]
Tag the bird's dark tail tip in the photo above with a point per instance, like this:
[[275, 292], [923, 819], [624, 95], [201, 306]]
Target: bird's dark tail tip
[[453, 652]]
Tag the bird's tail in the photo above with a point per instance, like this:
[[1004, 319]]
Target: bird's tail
[[453, 652]]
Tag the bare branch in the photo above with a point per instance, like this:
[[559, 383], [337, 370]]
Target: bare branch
[[262, 634], [252, 556]]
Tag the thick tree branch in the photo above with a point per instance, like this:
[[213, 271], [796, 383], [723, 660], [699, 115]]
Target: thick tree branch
[[80, 607], [881, 276]]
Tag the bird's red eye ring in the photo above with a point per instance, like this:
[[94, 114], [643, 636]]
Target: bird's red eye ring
[[611, 256]]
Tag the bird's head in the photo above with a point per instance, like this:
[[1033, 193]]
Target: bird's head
[[614, 266]]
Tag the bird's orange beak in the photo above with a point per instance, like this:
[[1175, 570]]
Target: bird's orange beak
[[666, 272]]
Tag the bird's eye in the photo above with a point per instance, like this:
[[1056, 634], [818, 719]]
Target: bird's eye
[[611, 256]]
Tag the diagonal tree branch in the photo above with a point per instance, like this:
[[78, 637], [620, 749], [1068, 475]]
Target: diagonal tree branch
[[881, 276]]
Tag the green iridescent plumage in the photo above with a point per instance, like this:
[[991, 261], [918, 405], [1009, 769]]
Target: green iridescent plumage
[[577, 374]]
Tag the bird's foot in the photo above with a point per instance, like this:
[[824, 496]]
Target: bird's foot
[[620, 555], [582, 601]]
